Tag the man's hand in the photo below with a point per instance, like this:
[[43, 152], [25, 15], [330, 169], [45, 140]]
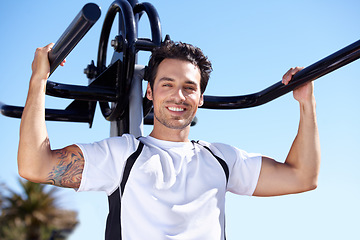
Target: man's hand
[[40, 65], [305, 92]]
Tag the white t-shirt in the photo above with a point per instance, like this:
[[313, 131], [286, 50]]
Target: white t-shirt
[[175, 190]]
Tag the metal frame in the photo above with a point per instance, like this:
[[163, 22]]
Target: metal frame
[[114, 83]]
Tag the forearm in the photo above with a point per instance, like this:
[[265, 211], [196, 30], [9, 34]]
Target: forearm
[[34, 147], [304, 155], [36, 161], [299, 172]]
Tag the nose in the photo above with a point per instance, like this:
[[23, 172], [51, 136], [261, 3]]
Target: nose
[[179, 95]]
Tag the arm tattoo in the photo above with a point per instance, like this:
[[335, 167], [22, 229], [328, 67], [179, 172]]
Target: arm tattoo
[[69, 168]]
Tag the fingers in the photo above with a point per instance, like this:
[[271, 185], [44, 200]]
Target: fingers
[[40, 65], [290, 73], [49, 46], [63, 62], [47, 49], [44, 50]]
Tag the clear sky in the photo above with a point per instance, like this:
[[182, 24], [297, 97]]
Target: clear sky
[[251, 44]]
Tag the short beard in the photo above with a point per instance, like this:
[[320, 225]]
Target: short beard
[[168, 124]]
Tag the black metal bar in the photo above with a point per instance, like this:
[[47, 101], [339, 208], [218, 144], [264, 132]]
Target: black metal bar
[[133, 2], [86, 93], [126, 17], [78, 111], [102, 88], [145, 44], [154, 20], [69, 115], [127, 25], [81, 24], [310, 73]]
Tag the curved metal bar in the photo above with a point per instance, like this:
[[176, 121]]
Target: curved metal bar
[[81, 24], [133, 2], [125, 10], [147, 44], [310, 73], [154, 20], [127, 69]]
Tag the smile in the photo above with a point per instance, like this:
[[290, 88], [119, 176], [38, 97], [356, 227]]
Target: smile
[[176, 109]]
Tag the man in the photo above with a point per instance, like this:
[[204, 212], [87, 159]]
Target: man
[[164, 186]]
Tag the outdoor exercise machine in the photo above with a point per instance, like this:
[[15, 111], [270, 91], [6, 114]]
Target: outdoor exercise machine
[[118, 86]]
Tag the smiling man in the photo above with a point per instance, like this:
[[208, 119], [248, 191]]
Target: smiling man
[[164, 186], [176, 97]]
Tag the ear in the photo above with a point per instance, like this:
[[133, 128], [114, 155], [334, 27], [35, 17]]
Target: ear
[[201, 101], [149, 92]]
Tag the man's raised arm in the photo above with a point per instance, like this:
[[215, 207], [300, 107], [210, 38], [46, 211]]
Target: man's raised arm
[[300, 170], [36, 161]]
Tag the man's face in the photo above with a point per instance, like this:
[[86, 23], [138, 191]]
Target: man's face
[[176, 93]]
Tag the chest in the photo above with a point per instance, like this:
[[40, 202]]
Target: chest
[[178, 175]]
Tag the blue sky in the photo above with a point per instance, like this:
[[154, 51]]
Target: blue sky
[[251, 44]]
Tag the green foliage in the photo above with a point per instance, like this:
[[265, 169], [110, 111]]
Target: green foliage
[[32, 214]]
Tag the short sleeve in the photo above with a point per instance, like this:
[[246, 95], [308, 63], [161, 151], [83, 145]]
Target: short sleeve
[[244, 168], [104, 162]]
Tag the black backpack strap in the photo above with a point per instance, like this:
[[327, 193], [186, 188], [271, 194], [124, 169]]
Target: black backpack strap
[[113, 223], [220, 160]]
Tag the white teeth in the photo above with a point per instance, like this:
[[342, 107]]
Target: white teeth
[[175, 109]]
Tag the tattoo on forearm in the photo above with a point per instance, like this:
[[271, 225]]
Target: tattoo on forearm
[[69, 168]]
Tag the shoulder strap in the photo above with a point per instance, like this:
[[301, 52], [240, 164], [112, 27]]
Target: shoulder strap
[[113, 222], [129, 164], [220, 160]]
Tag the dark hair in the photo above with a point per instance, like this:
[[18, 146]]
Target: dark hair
[[181, 51]]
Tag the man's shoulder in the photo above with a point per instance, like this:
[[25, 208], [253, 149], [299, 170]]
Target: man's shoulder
[[124, 142], [123, 139], [220, 149], [216, 145]]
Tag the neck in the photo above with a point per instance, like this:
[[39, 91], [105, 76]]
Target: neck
[[173, 135]]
